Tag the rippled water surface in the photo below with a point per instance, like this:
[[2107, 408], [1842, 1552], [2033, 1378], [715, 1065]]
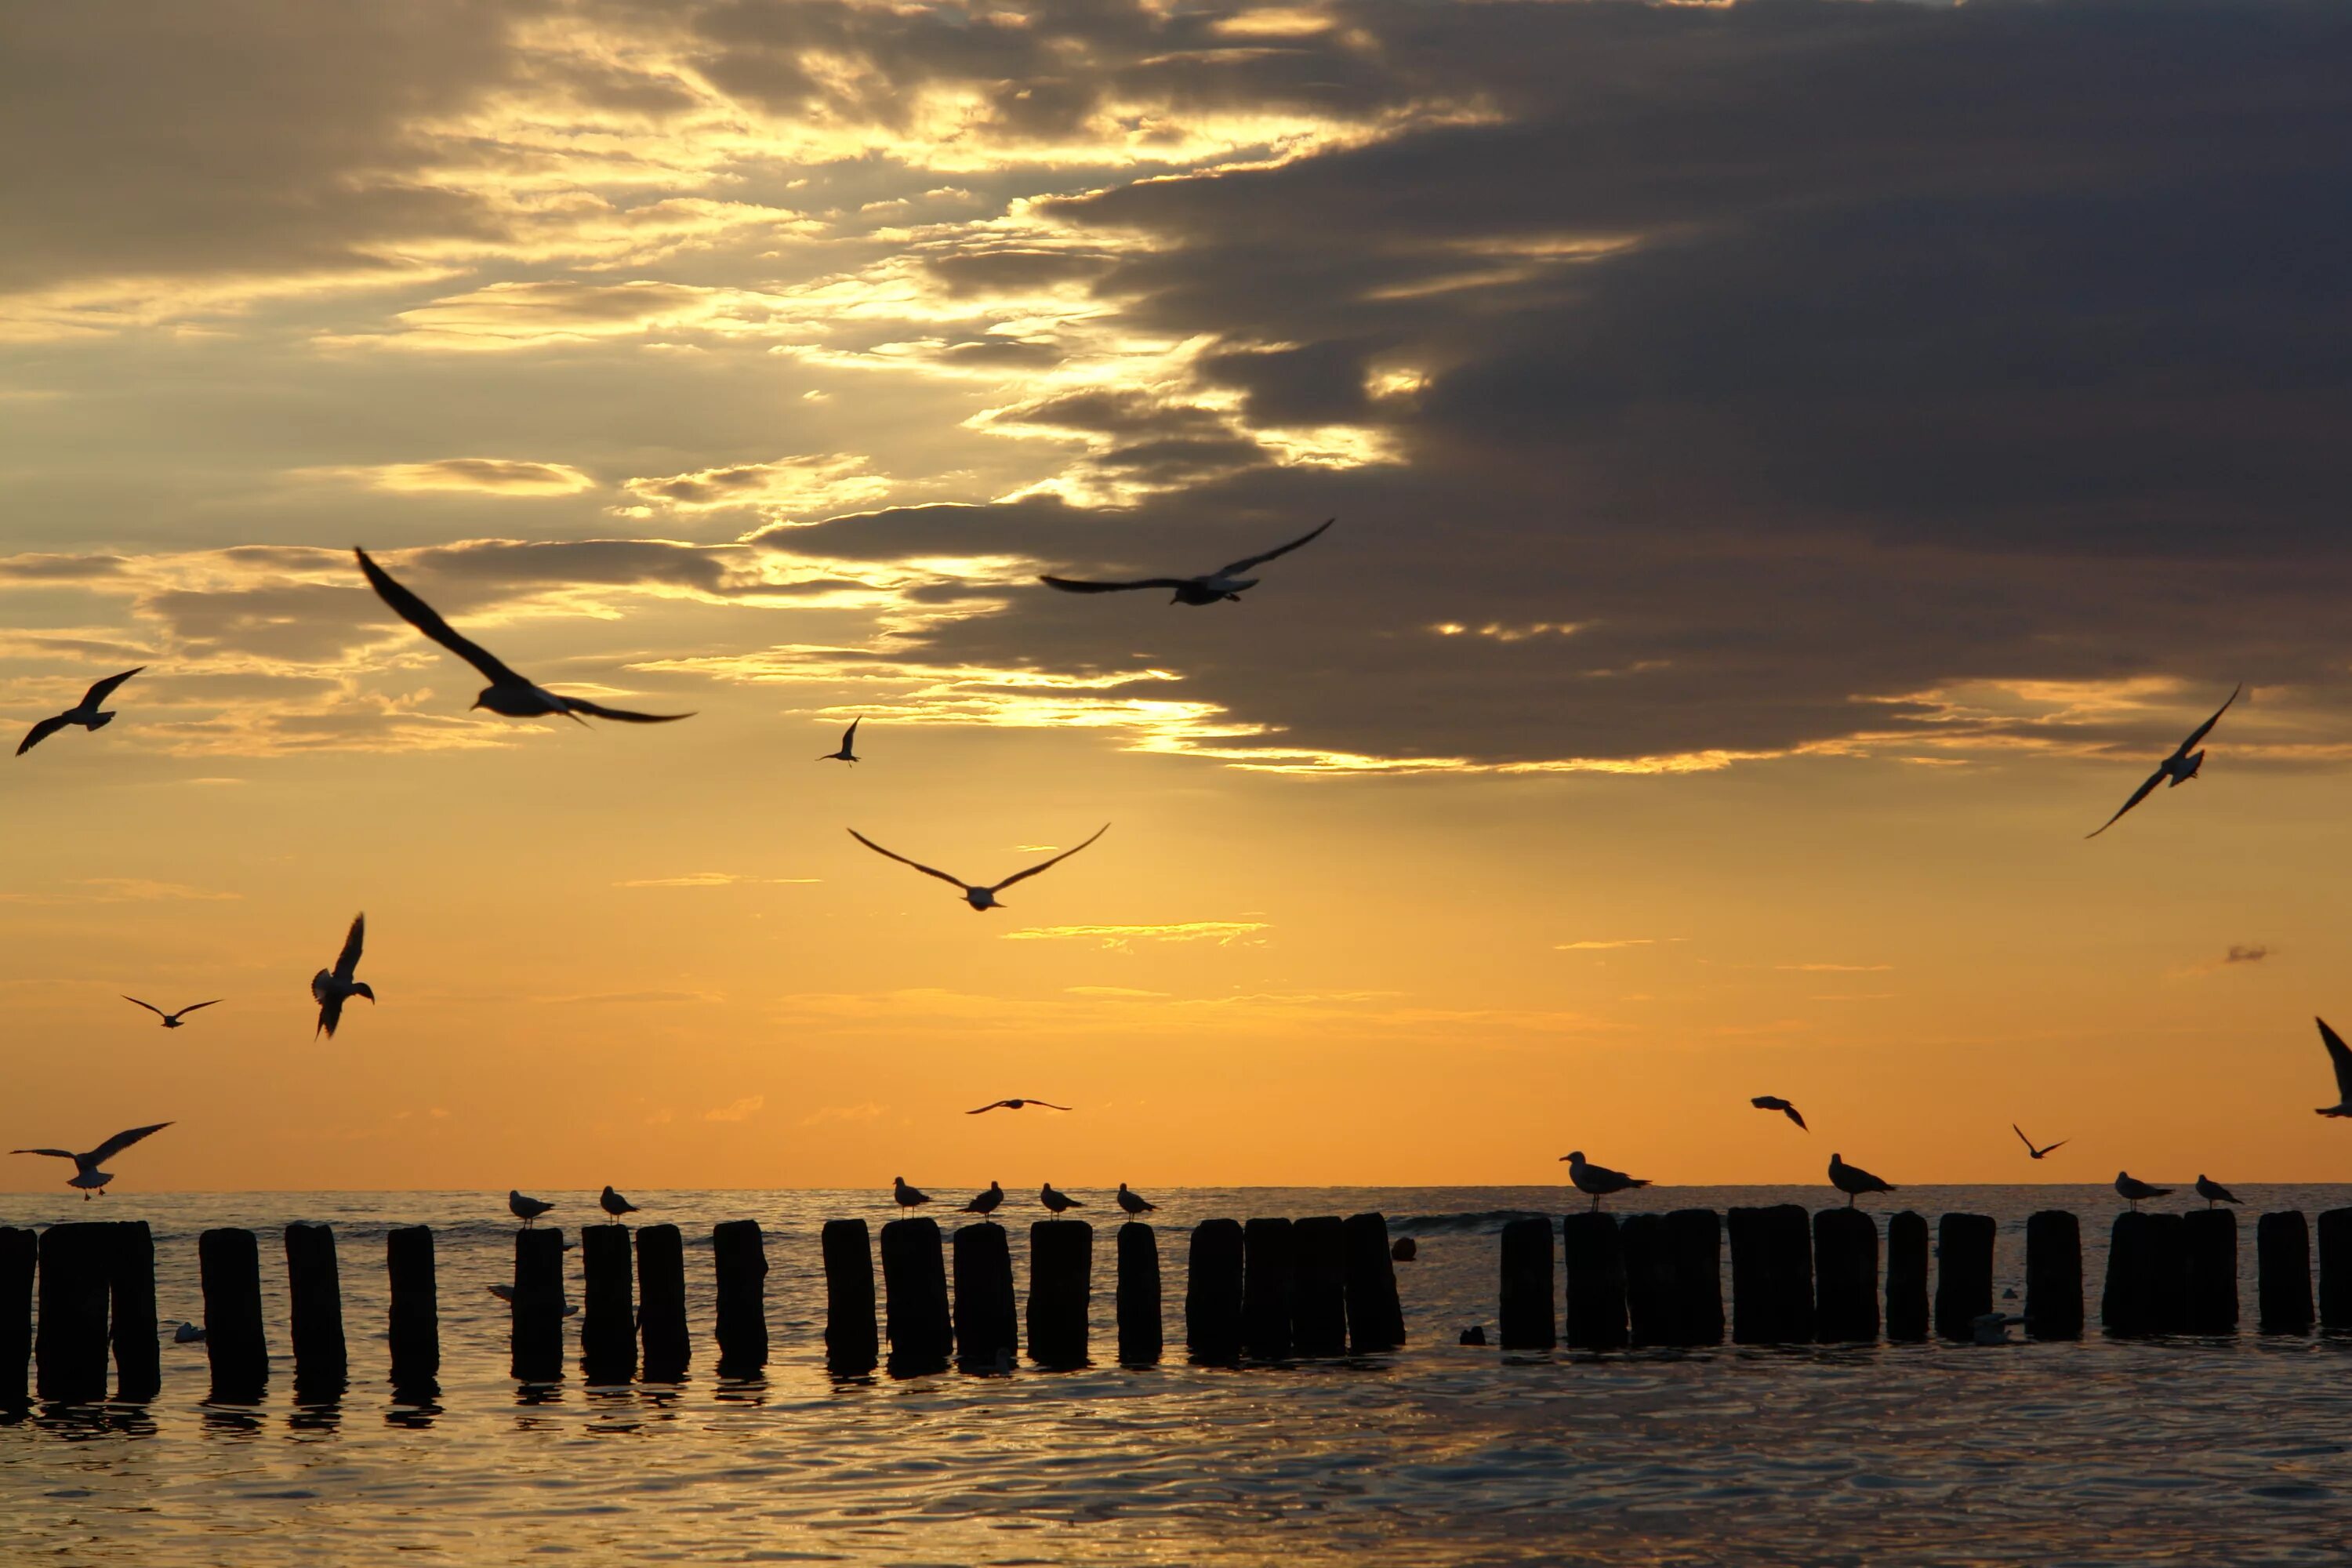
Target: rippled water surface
[[2188, 1451]]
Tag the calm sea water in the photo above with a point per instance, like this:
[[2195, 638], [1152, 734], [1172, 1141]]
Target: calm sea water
[[2192, 1452]]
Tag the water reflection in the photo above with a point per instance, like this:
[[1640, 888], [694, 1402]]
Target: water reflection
[[231, 1420], [413, 1410]]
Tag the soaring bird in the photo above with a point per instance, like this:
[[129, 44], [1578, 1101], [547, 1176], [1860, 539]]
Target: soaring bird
[[2030, 1149], [1133, 1201], [2213, 1192], [1854, 1181], [1060, 1203], [2340, 1057], [84, 713], [330, 988], [1774, 1102], [171, 1020], [2126, 1187], [506, 692], [87, 1175], [525, 1209], [1226, 583], [980, 898], [613, 1203], [848, 742], [1597, 1180], [908, 1197], [1017, 1104], [2175, 769], [984, 1202]]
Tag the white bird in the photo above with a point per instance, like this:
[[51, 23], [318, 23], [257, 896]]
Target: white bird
[[2213, 1192], [87, 1175], [848, 743], [907, 1198], [1226, 583], [2340, 1057], [613, 1203], [984, 1202], [1854, 1181], [2178, 768], [525, 1209], [507, 693], [330, 988], [1133, 1201], [1599, 1180], [2126, 1187], [84, 713], [980, 898], [1060, 1203], [171, 1020]]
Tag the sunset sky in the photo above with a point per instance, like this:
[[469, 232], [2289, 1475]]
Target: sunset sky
[[1798, 466]]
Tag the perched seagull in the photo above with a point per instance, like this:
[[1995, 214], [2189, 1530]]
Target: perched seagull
[[2135, 1191], [171, 1020], [2340, 1057], [980, 898], [907, 1196], [84, 713], [525, 1209], [2030, 1149], [1774, 1102], [849, 741], [188, 1334], [1854, 1181], [1597, 1180], [1060, 1203], [87, 1175], [506, 692], [1133, 1201], [1016, 1105], [1224, 583], [2178, 768], [330, 988], [613, 1203], [984, 1202], [2213, 1192]]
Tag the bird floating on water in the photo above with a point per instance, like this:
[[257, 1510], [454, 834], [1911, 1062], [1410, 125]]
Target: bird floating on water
[[507, 693], [1133, 1201], [85, 712], [613, 1203], [525, 1209], [1600, 1181], [2178, 768], [1854, 1181], [980, 898], [2126, 1187], [849, 741], [1774, 1102], [2340, 1057], [1226, 583], [984, 1202], [87, 1175], [330, 988], [188, 1334], [2213, 1192], [1060, 1203], [171, 1020], [1017, 1104], [907, 1196], [2030, 1149]]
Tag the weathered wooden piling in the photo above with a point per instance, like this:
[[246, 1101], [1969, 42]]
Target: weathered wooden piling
[[2336, 1268], [2172, 1271], [1694, 1238], [1771, 1274], [1061, 1277], [1594, 1256], [1963, 1273], [20, 1252], [1845, 1277], [2282, 1273], [608, 1305], [849, 1339], [1527, 1305], [1212, 1293], [416, 1317], [2147, 1276], [2053, 1276], [536, 1335], [2209, 1260], [987, 1320], [1375, 1317], [137, 1353], [1650, 1279], [1906, 1277], [740, 1261], [915, 1297], [229, 1262], [1267, 1289], [70, 1345], [1319, 1299], [314, 1292], [1139, 1294], [661, 1303]]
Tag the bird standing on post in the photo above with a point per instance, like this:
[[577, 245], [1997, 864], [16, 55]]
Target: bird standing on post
[[1059, 1202], [613, 1203], [2213, 1192], [525, 1209], [1133, 1201], [2126, 1187], [1599, 1180], [984, 1202], [906, 1197], [1854, 1181]]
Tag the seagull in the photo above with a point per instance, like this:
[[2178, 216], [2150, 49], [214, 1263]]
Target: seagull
[[525, 1209], [2135, 1191], [1060, 1203], [613, 1203], [2178, 768], [87, 1175], [1133, 1201], [330, 988], [2030, 1149], [2213, 1192], [984, 1202], [1774, 1102], [2340, 1057], [848, 740], [1224, 583], [188, 1334], [171, 1020], [907, 1196], [506, 692], [1597, 1180], [980, 898], [1017, 1104], [84, 713], [1854, 1181]]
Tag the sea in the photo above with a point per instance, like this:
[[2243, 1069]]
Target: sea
[[2233, 1449]]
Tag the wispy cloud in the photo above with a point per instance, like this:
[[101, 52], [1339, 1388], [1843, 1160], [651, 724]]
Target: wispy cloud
[[867, 1111], [1224, 934], [1605, 945], [477, 476], [122, 890], [1833, 968], [715, 879], [742, 1110]]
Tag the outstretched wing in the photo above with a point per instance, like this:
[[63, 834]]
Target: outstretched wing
[[2205, 729], [1073, 585], [955, 882], [1247, 562], [1793, 1114], [2139, 794], [149, 1006], [105, 688], [849, 736], [2022, 1137], [54, 1154], [582, 705], [1023, 875], [992, 1105], [2340, 1057], [330, 1010], [347, 962], [121, 1140], [2047, 1148], [40, 733], [194, 1006], [425, 619], [1046, 1103]]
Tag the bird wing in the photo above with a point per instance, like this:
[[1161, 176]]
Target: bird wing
[[1050, 1105], [192, 1006], [1765, 1102], [105, 688], [121, 1140], [1048, 865], [993, 1105], [55, 1153], [2022, 1137], [426, 619], [582, 705], [331, 1012], [149, 1006], [2139, 794], [956, 882], [1074, 585], [849, 736], [2205, 729], [40, 733], [2046, 1148], [2340, 1057], [1247, 562], [347, 962], [1796, 1116]]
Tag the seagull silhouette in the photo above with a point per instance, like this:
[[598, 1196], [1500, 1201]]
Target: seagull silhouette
[[1133, 1201], [2030, 1149], [506, 692], [87, 1175], [171, 1020], [2340, 1057], [1774, 1102], [2179, 768], [848, 743], [980, 899], [330, 988], [525, 1209], [2126, 1187], [984, 1202], [1060, 1203], [1210, 587], [907, 1198], [1600, 1181], [613, 1203], [1017, 1104], [2213, 1192], [84, 713], [1854, 1181]]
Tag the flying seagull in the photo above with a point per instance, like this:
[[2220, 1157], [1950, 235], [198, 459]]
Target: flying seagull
[[1774, 1102], [613, 1203], [907, 1196], [525, 1209], [2134, 1190], [2213, 1192], [1133, 1201], [330, 988], [1017, 1104], [84, 713], [1597, 1180], [87, 1175], [2030, 1149], [1060, 1203], [2340, 1057], [848, 743], [171, 1020], [506, 692], [1226, 583], [2178, 768], [984, 1202], [1854, 1181], [980, 898]]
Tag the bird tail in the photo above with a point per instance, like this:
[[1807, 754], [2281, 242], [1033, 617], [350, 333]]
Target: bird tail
[[100, 721]]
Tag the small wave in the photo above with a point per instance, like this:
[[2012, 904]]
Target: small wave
[[1480, 1222]]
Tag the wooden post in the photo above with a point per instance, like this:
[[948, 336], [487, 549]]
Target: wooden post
[[1595, 1260], [1267, 1289], [2336, 1268], [1963, 1273], [1694, 1240], [2282, 1273], [1771, 1276], [1526, 1304], [1906, 1277], [137, 1354], [1319, 1303], [608, 1305], [849, 1339], [2170, 1256], [2209, 1249], [1845, 1277], [987, 1326], [1375, 1317], [1212, 1293], [661, 1303], [1139, 1294], [915, 1298], [536, 1336], [315, 1297], [229, 1260], [416, 1321], [1061, 1276], [2127, 1304], [20, 1250], [2053, 1276], [740, 1260], [70, 1345]]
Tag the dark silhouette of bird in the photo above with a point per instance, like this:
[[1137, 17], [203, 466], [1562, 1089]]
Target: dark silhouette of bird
[[2030, 1149], [85, 712], [330, 988], [1774, 1102], [2133, 1189], [525, 1209], [980, 899], [1060, 1203], [1854, 1181], [849, 741], [507, 693], [87, 1175], [1599, 1180], [2213, 1192], [2175, 769], [613, 1203], [171, 1020], [907, 1198], [1016, 1105], [1133, 1201], [1211, 587], [984, 1202], [2340, 1057]]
